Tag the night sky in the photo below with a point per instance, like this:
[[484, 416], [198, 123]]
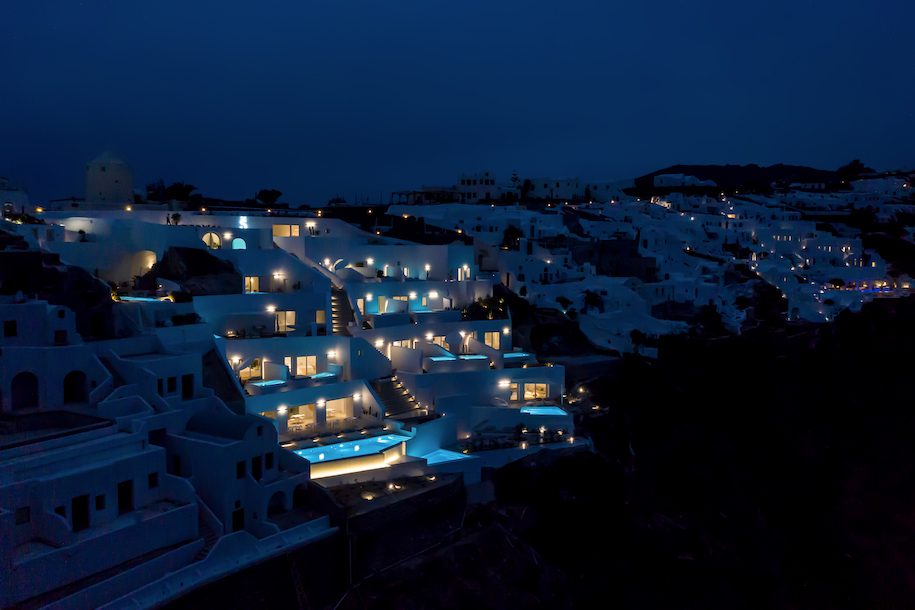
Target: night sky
[[319, 98]]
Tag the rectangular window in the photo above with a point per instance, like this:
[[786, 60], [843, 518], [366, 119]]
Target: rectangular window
[[533, 391], [514, 390], [321, 316], [172, 385], [306, 365], [125, 497], [153, 480], [251, 372], [294, 230], [493, 339], [9, 328], [284, 321], [252, 284], [240, 470], [281, 230], [23, 515], [268, 461], [100, 502], [400, 298]]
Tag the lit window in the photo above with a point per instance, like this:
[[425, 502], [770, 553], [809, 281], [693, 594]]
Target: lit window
[[533, 391], [306, 365], [492, 339]]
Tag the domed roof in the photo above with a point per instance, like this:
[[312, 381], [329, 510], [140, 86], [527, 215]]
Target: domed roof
[[108, 158]]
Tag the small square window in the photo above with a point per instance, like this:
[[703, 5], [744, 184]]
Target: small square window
[[153, 480], [260, 430], [23, 515], [100, 502], [61, 313], [240, 470], [172, 384], [268, 460], [9, 328]]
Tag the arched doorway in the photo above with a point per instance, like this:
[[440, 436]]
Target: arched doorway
[[75, 387], [298, 496], [24, 390], [276, 504], [212, 241], [239, 244]]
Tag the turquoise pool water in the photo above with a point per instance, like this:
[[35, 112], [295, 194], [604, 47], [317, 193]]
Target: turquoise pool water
[[441, 358], [348, 449], [321, 375], [474, 357], [543, 411], [269, 382], [516, 355], [443, 455]]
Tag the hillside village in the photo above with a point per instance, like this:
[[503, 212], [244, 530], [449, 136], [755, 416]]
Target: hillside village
[[190, 388]]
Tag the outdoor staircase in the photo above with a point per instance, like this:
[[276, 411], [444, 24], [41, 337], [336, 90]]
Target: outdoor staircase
[[209, 538], [341, 311], [395, 399]]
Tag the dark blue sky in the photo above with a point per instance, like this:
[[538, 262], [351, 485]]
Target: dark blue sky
[[318, 98]]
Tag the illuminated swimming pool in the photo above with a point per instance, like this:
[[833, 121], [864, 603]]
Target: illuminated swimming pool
[[441, 358], [321, 375], [269, 382], [516, 355], [443, 455], [474, 357], [543, 411], [348, 449]]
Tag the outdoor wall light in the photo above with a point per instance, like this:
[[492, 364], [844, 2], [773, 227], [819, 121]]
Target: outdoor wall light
[[506, 330], [281, 409], [271, 308], [379, 343], [321, 402], [412, 295], [331, 354], [227, 236], [368, 297], [370, 261], [357, 397], [429, 337], [428, 267], [327, 262], [433, 295]]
